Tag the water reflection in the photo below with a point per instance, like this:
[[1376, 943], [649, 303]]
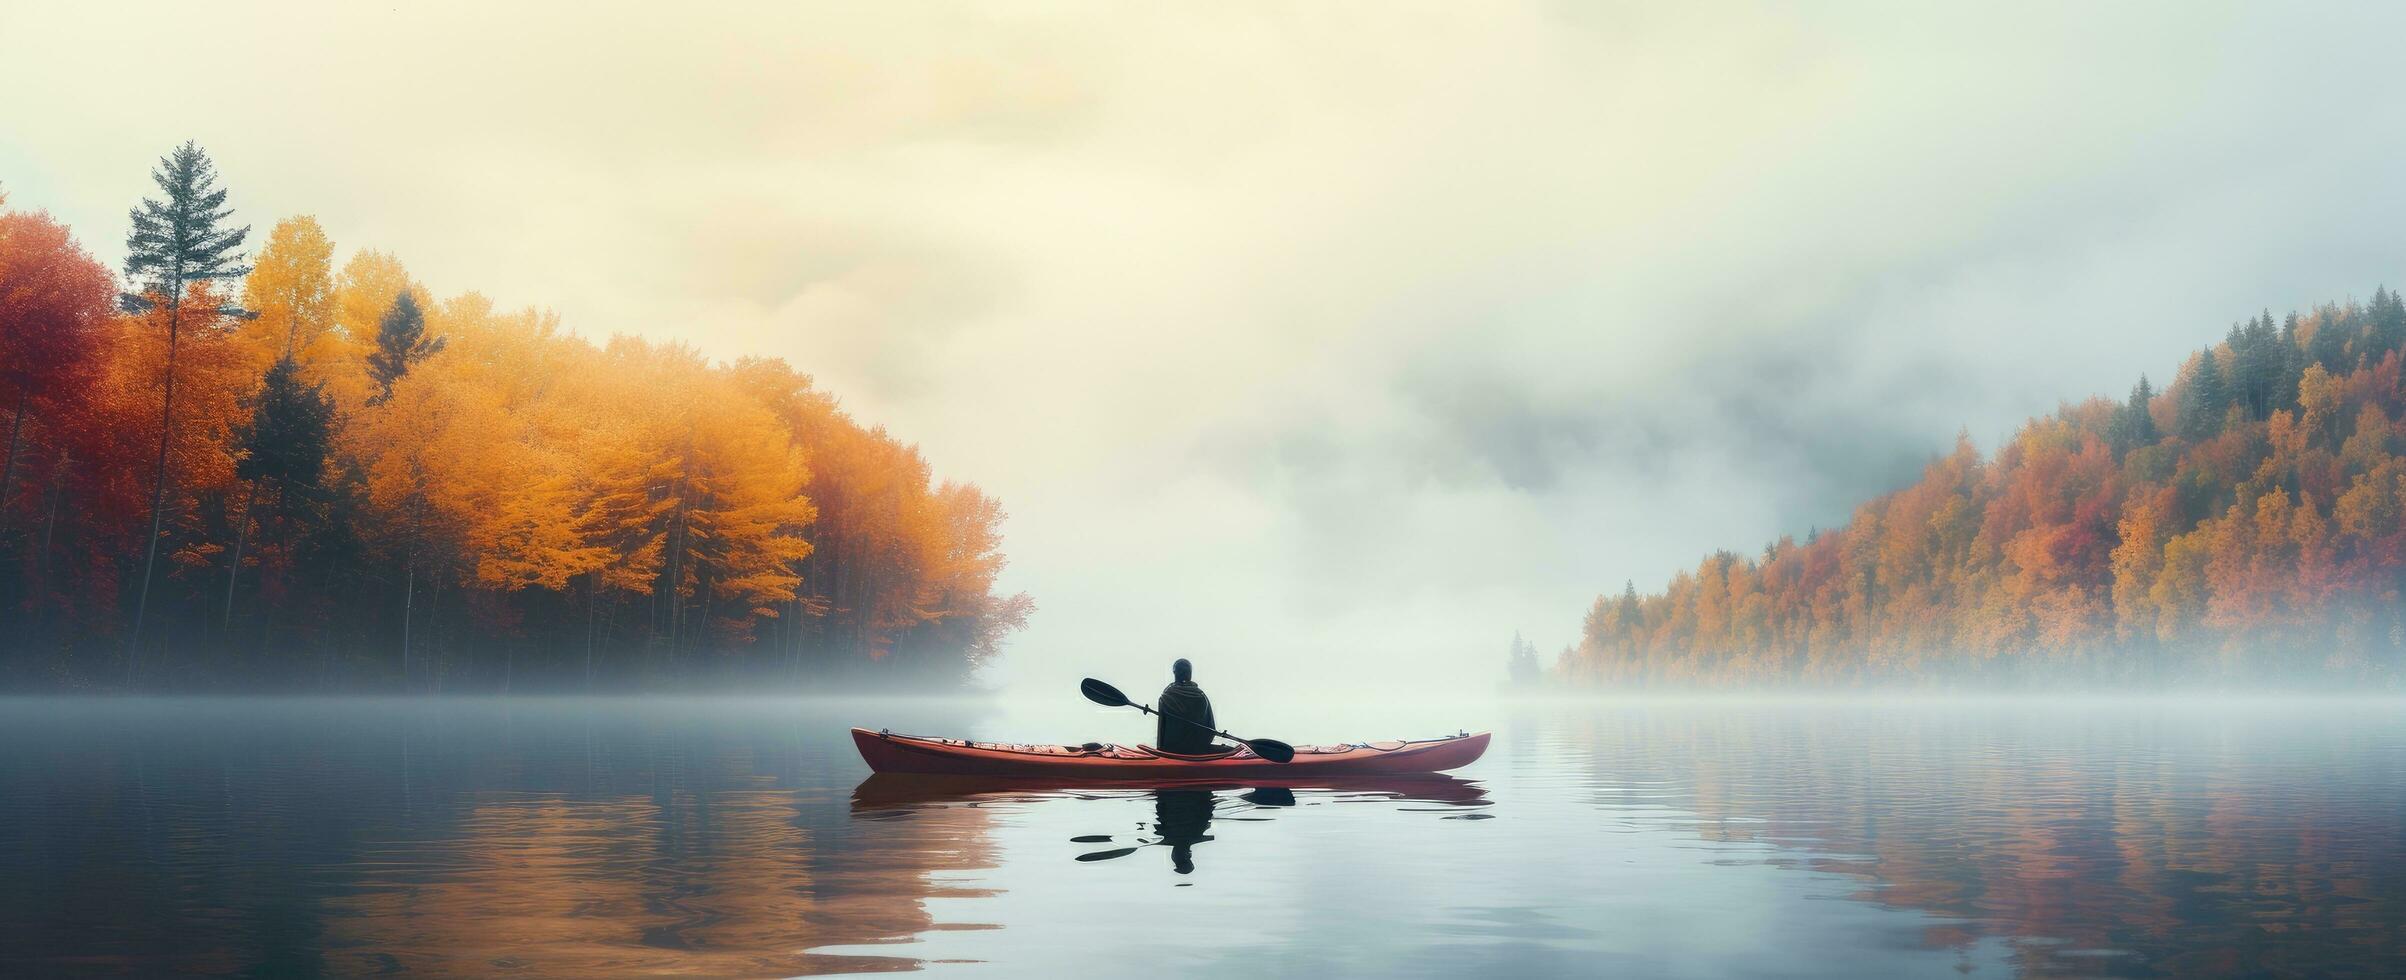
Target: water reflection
[[452, 840], [2090, 839], [1181, 820], [722, 883], [1182, 812], [1647, 839]]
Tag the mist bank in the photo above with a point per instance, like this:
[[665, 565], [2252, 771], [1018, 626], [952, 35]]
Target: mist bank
[[239, 471], [2243, 527]]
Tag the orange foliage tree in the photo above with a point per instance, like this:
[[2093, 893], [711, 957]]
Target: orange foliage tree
[[524, 507], [2247, 523]]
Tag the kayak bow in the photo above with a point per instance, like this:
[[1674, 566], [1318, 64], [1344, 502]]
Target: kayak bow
[[889, 752]]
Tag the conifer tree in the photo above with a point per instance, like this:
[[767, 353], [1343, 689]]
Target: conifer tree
[[2134, 425], [2207, 400], [2385, 329], [2261, 361], [284, 449], [401, 341], [1522, 666], [176, 244], [2243, 362], [2332, 332], [2293, 365]]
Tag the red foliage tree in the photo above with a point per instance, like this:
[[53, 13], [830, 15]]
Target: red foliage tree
[[54, 300]]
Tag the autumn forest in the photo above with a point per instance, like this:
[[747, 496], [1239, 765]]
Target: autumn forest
[[2243, 526], [240, 464]]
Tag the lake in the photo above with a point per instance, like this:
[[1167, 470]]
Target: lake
[[1838, 838]]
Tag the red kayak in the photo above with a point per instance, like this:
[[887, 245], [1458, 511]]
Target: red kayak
[[889, 752]]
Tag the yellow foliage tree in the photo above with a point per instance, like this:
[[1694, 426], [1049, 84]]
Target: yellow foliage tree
[[291, 288], [369, 282]]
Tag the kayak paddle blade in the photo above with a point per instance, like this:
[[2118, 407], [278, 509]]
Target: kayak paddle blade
[[1102, 694], [1272, 749]]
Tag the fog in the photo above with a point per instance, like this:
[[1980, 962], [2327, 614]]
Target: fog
[[1322, 346]]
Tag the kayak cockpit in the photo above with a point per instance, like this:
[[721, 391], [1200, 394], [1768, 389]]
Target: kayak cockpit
[[1223, 752]]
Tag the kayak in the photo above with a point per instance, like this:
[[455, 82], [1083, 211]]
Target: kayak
[[888, 752]]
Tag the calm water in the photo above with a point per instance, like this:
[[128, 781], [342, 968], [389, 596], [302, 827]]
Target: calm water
[[1657, 839]]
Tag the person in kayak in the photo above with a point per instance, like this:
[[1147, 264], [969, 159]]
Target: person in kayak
[[1184, 699]]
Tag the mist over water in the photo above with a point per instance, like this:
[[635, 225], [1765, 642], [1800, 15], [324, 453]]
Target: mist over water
[[1839, 837]]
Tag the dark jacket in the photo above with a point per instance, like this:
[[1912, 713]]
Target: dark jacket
[[1186, 700]]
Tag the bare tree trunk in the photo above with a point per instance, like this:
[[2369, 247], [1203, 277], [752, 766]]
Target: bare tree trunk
[[58, 490], [158, 488], [676, 570], [8, 470], [702, 589], [592, 599], [242, 528], [609, 623], [409, 597], [327, 638], [283, 546], [676, 591], [434, 630]]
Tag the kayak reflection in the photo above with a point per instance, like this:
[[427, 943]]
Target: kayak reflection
[[1182, 811], [886, 792]]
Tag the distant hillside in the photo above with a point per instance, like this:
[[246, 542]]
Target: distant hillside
[[2248, 524]]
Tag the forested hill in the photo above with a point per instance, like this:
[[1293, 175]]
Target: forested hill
[[240, 466], [2245, 526]]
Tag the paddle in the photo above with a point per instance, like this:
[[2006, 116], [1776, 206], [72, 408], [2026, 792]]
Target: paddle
[[1110, 697]]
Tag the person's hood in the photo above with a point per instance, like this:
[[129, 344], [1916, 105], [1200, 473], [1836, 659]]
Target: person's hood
[[1183, 689]]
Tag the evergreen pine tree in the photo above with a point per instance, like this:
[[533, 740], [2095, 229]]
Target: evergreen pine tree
[[2243, 365], [2329, 348], [2206, 400], [174, 245], [290, 432], [2385, 329], [2134, 426], [1523, 669], [2265, 360], [283, 448], [2293, 367], [401, 341]]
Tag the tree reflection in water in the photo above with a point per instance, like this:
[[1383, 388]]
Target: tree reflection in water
[[608, 838]]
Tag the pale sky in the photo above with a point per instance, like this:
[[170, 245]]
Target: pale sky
[[1303, 337]]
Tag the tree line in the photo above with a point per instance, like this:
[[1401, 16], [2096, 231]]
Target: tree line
[[228, 469], [2245, 525]]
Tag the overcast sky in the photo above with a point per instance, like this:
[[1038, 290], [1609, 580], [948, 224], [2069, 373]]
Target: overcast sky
[[1297, 337]]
